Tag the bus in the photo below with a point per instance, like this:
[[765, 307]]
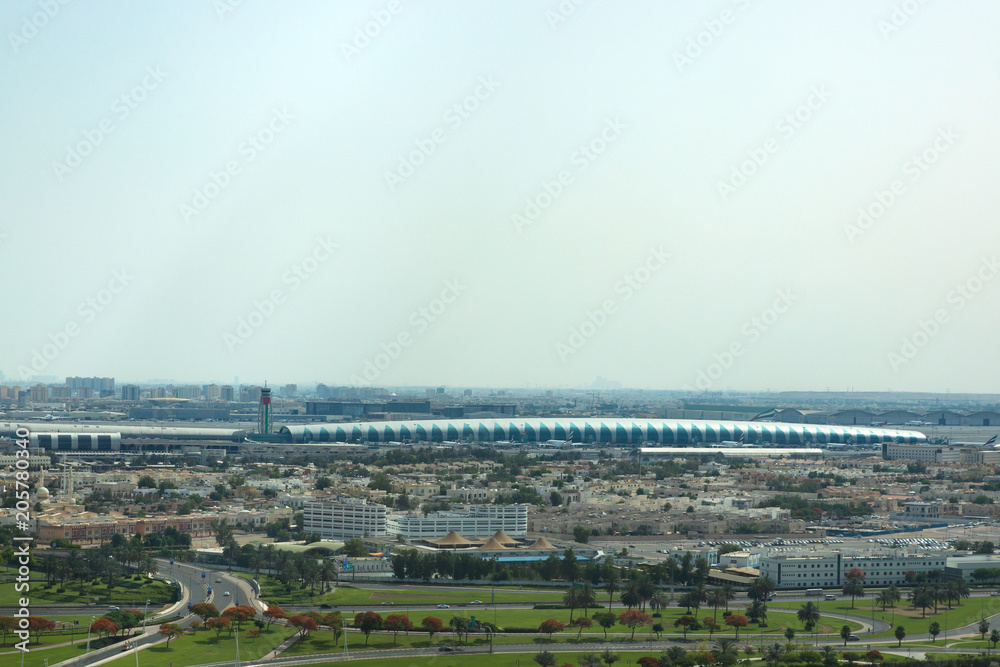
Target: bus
[[814, 591]]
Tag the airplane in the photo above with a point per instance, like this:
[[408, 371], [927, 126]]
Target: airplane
[[767, 416], [991, 442], [876, 423]]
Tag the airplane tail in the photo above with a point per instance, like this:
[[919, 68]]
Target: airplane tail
[[991, 442], [765, 416]]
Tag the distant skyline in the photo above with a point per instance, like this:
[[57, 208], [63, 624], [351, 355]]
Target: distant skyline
[[738, 196]]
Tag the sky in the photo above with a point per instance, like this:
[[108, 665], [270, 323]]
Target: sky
[[710, 196]]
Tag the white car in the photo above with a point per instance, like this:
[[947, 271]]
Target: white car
[[226, 593]]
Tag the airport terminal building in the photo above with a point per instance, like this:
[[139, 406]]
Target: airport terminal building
[[596, 431]]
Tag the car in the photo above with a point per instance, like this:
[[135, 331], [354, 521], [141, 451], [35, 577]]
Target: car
[[446, 649], [387, 603], [854, 638], [126, 646], [444, 606], [226, 593], [326, 606], [476, 602], [995, 594], [113, 608], [218, 580]]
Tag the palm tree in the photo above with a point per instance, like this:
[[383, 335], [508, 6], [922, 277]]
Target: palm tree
[[674, 655], [772, 655], [715, 598], [698, 597], [630, 594], [571, 599], [808, 615], [657, 602], [611, 587], [757, 612], [724, 648], [729, 594], [588, 598], [854, 587], [645, 589]]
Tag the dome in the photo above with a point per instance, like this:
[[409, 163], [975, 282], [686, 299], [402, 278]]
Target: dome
[[42, 494]]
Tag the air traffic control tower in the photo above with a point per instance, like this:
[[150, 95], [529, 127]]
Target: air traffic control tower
[[264, 412]]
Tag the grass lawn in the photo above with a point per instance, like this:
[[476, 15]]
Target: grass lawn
[[127, 592], [970, 611], [273, 591], [204, 647]]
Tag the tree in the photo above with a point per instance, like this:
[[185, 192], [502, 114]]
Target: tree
[[737, 621], [104, 627], [632, 618], [994, 637], [591, 660], [711, 624], [204, 611], [459, 625], [606, 620], [874, 656], [845, 633], [789, 634], [899, 633], [253, 634], [581, 534], [609, 657], [726, 650], [582, 622], [305, 624], [550, 626], [854, 584], [684, 623], [611, 586], [272, 614], [715, 599], [335, 622], [983, 628], [7, 625], [38, 625], [396, 623], [355, 548], [171, 630], [218, 624], [432, 625], [571, 599], [239, 614], [545, 659], [648, 661], [757, 612], [588, 598], [808, 615], [658, 629], [367, 622], [556, 499], [772, 654], [934, 630]]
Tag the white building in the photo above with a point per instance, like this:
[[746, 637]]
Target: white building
[[829, 570], [345, 518], [476, 520]]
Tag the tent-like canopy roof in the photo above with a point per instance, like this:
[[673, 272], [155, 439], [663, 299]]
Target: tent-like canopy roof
[[541, 543]]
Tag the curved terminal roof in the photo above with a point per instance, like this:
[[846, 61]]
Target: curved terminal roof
[[589, 430]]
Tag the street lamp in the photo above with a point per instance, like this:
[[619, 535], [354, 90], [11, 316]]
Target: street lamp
[[88, 633]]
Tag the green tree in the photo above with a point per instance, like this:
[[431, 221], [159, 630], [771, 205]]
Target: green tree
[[983, 628], [355, 548], [934, 630], [545, 659], [845, 633], [899, 633], [581, 534]]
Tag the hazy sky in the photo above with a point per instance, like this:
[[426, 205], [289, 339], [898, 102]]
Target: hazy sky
[[664, 194]]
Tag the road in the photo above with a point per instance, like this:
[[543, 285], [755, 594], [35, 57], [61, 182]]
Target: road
[[195, 591]]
